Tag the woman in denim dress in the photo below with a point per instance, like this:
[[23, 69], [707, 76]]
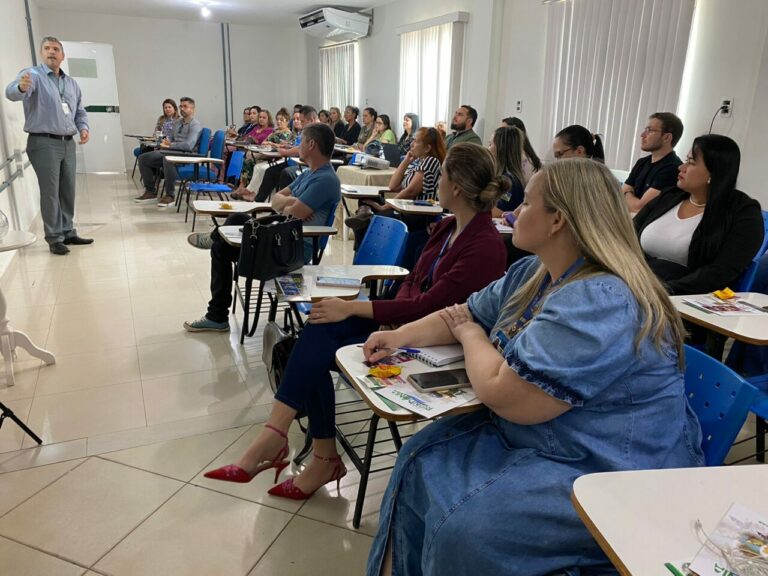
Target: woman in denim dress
[[576, 354]]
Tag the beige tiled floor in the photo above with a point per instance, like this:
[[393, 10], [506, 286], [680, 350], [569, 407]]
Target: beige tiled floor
[[136, 409]]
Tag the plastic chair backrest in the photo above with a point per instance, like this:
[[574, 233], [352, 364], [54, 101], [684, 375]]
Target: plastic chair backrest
[[331, 217], [720, 398], [204, 142], [235, 167], [747, 278], [217, 148], [383, 242]]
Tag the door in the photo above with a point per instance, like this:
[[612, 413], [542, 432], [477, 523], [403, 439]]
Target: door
[[92, 65]]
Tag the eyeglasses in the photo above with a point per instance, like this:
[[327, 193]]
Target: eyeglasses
[[648, 129], [560, 153]]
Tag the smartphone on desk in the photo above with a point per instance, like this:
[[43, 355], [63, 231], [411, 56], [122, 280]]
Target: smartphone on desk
[[440, 380], [423, 203]]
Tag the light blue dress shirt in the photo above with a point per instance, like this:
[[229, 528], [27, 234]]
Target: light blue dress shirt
[[43, 109]]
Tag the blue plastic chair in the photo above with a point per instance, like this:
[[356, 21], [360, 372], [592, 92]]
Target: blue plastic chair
[[324, 240], [746, 280], [136, 154], [208, 173], [720, 398], [197, 188]]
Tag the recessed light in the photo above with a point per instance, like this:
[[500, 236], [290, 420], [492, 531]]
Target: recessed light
[[205, 11]]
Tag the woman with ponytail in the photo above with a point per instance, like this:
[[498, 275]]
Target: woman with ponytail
[[576, 355], [464, 253], [577, 142]]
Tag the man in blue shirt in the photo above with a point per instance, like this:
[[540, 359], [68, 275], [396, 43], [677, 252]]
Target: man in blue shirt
[[312, 197], [53, 113], [184, 141]]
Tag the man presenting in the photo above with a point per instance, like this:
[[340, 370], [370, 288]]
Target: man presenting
[[653, 173], [53, 113], [183, 142]]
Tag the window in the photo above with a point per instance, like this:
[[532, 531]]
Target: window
[[612, 63], [338, 75], [430, 68]]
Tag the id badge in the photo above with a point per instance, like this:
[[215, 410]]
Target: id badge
[[65, 108]]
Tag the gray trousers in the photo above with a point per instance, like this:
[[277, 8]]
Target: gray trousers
[[149, 162], [54, 164]]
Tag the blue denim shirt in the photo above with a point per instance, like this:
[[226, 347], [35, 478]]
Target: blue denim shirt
[[628, 404], [43, 112]]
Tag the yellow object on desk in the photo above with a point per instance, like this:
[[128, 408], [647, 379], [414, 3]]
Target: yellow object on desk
[[724, 294], [225, 206], [384, 371]]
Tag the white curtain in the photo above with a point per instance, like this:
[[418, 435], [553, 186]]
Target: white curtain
[[338, 75], [425, 73], [612, 63]]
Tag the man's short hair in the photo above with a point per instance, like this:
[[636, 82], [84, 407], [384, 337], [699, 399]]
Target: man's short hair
[[187, 99], [297, 107], [372, 112], [354, 109], [258, 108], [322, 135], [51, 39], [309, 112], [471, 112], [670, 123]]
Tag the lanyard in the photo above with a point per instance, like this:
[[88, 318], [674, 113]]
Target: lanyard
[[500, 339], [427, 283], [59, 86]]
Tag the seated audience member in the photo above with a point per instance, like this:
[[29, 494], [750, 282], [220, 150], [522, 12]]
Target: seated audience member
[[382, 132], [442, 127], [280, 174], [336, 123], [351, 131], [410, 125], [248, 123], [310, 197], [165, 122], [463, 254], [569, 348], [262, 129], [296, 109], [186, 133], [325, 118], [653, 173], [507, 147], [255, 165], [700, 235], [531, 161], [416, 178], [462, 124], [577, 142], [369, 119]]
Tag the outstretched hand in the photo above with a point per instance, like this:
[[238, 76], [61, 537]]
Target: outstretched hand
[[25, 82]]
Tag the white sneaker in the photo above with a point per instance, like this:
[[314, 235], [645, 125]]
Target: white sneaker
[[165, 201]]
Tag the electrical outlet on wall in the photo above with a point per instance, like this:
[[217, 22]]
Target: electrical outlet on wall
[[726, 107], [519, 106]]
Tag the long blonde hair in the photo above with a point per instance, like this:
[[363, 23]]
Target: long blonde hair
[[587, 195]]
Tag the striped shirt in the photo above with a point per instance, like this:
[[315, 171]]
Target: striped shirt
[[429, 166]]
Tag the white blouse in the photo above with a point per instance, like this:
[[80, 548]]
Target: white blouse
[[669, 236]]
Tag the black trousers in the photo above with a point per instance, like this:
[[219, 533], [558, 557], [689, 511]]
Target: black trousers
[[223, 256], [276, 177]]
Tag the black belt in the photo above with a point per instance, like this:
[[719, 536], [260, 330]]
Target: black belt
[[54, 136]]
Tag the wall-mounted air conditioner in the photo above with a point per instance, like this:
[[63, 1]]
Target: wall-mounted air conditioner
[[334, 24]]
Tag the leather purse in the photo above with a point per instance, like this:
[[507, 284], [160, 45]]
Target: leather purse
[[271, 246]]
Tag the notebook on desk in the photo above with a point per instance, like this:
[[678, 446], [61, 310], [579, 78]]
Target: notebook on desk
[[440, 355]]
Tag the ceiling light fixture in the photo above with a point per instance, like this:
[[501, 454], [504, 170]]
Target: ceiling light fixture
[[205, 11]]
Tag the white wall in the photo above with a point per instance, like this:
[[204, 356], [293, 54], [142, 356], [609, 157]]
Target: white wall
[[380, 53], [160, 58], [726, 59], [20, 202]]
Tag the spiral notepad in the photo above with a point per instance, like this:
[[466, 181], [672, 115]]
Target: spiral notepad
[[440, 355]]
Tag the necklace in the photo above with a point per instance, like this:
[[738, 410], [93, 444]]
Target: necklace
[[690, 199]]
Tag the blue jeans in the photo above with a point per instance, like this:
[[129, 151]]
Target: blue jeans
[[307, 385]]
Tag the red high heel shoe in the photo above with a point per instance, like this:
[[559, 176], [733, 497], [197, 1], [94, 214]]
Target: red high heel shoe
[[288, 490], [233, 473]]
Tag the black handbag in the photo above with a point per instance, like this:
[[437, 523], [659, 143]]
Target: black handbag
[[272, 246], [278, 343]]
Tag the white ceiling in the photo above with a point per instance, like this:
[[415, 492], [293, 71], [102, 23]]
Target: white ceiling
[[254, 12]]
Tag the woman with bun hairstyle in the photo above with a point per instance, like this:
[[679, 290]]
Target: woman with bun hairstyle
[[463, 254], [577, 142]]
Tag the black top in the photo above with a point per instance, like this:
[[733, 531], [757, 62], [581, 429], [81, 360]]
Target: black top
[[659, 175], [350, 133], [338, 129], [709, 267], [511, 199]]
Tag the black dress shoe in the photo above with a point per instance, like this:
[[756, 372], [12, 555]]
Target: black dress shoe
[[77, 240], [59, 249]]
